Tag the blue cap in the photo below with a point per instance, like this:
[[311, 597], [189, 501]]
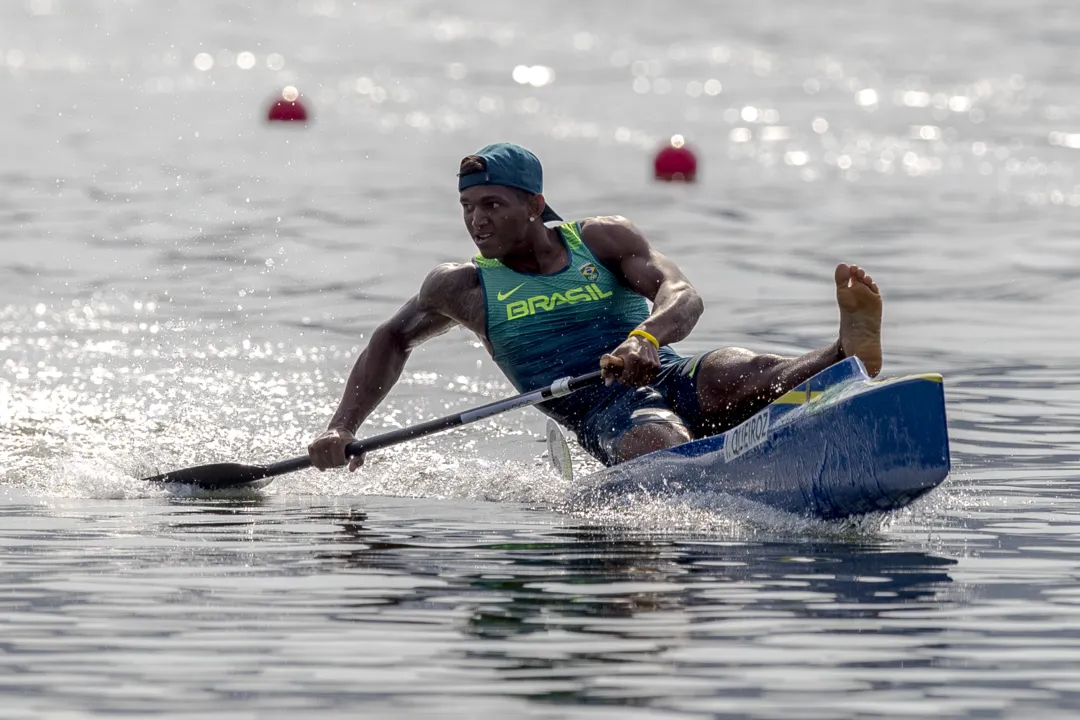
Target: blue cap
[[511, 166]]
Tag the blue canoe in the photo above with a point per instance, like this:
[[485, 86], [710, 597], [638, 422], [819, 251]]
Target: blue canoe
[[839, 445]]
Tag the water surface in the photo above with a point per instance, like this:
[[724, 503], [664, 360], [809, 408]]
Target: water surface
[[181, 283]]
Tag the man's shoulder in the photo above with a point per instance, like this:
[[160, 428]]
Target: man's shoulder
[[446, 281], [452, 270], [611, 236], [604, 224]]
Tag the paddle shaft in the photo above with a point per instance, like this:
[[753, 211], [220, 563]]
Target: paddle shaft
[[558, 388]]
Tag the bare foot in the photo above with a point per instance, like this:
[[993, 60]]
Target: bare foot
[[860, 316]]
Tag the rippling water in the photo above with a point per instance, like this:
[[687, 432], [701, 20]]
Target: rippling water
[[180, 283]]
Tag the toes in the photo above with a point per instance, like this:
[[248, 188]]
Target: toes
[[847, 275], [843, 274]]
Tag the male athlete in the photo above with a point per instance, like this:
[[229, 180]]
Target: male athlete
[[551, 302]]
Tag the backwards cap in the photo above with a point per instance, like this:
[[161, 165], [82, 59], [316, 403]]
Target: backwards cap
[[511, 166]]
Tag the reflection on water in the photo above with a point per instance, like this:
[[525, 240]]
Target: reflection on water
[[358, 603], [237, 604]]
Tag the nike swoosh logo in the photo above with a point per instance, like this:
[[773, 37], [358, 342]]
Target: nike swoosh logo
[[503, 296]]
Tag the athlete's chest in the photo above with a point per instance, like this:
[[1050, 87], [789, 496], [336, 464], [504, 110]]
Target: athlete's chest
[[582, 287]]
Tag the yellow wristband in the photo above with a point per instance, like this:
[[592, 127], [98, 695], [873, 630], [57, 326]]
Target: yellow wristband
[[641, 333]]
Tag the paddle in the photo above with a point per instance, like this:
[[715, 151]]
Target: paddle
[[221, 476]]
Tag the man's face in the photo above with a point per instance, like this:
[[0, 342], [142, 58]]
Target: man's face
[[497, 218]]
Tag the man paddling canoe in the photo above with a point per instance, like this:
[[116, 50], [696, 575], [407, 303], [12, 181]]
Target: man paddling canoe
[[550, 302]]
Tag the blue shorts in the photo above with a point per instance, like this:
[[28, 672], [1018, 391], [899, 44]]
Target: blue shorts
[[600, 415]]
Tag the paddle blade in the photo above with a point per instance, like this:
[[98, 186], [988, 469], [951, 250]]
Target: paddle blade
[[559, 452], [220, 476]]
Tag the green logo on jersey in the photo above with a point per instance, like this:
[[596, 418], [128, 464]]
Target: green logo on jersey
[[544, 303], [502, 296]]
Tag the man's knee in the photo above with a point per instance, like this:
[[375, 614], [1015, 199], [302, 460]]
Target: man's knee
[[731, 381], [736, 365], [652, 433]]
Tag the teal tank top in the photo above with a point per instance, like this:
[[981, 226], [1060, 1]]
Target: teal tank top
[[545, 327]]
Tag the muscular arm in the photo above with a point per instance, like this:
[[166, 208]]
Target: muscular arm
[[624, 250], [449, 296], [379, 366], [430, 313]]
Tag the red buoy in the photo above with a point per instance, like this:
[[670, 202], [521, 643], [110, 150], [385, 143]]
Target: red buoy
[[288, 107], [675, 162]]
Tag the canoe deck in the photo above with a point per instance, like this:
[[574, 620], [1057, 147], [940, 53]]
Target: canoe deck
[[840, 444]]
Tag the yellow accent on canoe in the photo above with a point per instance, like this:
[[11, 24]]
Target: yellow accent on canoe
[[930, 377], [801, 397], [797, 397]]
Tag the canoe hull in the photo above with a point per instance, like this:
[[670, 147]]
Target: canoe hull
[[839, 445]]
